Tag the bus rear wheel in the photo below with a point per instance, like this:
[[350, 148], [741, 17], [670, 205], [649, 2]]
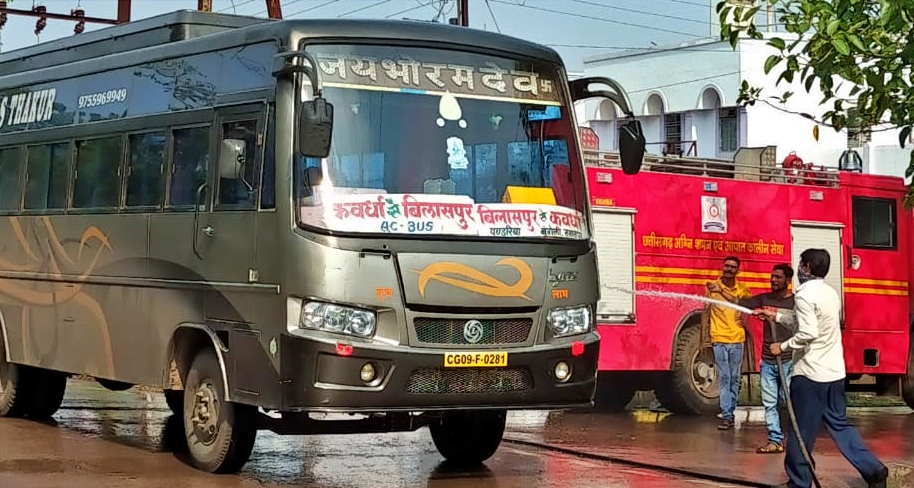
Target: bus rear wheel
[[220, 435], [692, 386], [467, 438]]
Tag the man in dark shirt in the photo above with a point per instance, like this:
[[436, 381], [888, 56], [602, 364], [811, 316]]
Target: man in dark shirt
[[773, 390]]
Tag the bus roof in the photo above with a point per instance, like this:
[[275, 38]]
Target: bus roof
[[185, 25]]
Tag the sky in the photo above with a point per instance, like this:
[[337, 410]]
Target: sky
[[574, 28]]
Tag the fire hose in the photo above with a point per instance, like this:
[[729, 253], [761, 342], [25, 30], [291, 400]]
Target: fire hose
[[790, 412]]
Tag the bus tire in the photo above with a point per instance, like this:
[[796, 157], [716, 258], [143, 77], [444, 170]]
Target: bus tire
[[51, 386], [614, 392], [686, 389], [175, 401], [467, 438], [220, 435], [907, 381], [15, 386]]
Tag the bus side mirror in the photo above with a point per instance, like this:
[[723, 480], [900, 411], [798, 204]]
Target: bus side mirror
[[631, 147], [315, 128]]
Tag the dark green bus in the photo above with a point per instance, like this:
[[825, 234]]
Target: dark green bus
[[268, 219]]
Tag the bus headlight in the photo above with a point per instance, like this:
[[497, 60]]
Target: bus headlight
[[570, 321], [338, 319]]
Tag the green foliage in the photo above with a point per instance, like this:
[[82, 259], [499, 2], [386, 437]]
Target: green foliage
[[865, 45]]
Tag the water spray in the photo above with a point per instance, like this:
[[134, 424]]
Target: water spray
[[681, 296]]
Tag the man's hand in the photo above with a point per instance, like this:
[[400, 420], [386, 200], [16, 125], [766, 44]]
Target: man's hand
[[713, 287], [765, 313], [776, 349]]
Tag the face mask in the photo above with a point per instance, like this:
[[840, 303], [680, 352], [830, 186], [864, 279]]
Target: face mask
[[803, 276]]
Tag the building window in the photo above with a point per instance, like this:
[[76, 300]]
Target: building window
[[672, 125], [855, 136], [875, 223], [729, 130]]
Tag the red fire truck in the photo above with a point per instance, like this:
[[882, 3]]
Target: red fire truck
[[680, 217]]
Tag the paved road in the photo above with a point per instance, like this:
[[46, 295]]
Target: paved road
[[103, 439]]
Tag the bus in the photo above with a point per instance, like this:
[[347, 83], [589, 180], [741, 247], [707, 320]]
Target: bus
[[273, 219]]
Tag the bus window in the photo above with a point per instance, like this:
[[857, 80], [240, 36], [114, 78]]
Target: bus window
[[189, 165], [48, 170], [145, 170], [10, 168], [238, 161], [97, 182]]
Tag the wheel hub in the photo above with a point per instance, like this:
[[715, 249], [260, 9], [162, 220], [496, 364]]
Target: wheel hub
[[704, 375], [205, 413]]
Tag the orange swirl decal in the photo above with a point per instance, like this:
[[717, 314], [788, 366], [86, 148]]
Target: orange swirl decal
[[481, 283]]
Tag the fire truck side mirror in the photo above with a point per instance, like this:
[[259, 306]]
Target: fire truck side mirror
[[631, 146]]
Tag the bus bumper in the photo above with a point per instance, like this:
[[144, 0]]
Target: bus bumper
[[327, 377]]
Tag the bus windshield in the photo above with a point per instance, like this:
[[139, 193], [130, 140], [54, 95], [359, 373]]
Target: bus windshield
[[433, 141]]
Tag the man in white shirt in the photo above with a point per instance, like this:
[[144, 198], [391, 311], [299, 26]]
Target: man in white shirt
[[817, 384]]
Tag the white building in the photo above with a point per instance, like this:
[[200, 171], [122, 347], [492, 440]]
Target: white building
[[685, 97]]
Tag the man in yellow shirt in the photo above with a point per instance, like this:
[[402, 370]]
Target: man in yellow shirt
[[724, 327]]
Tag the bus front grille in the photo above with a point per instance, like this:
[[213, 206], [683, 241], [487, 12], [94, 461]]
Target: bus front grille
[[441, 381], [430, 330]]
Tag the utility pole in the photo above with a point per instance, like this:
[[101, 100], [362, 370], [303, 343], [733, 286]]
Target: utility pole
[[274, 9], [463, 14], [77, 14]]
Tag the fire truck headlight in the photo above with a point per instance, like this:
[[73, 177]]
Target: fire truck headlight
[[570, 321], [337, 319]]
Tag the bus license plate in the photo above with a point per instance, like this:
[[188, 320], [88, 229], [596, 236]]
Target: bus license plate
[[492, 359]]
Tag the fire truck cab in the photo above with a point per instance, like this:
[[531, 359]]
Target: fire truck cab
[[680, 217]]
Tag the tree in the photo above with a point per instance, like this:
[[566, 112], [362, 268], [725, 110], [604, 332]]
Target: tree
[[858, 52]]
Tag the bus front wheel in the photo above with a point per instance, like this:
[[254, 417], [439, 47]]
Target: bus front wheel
[[467, 438], [220, 435], [14, 386]]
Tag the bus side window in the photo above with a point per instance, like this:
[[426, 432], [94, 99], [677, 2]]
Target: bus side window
[[12, 160], [189, 165], [145, 169], [97, 179], [47, 177], [238, 165]]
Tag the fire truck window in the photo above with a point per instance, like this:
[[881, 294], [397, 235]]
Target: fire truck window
[[875, 223]]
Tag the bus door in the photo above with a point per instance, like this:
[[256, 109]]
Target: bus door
[[227, 235]]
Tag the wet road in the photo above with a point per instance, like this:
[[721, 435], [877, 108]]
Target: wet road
[[103, 439]]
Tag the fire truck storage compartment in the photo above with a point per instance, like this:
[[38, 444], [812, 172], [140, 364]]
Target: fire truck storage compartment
[[613, 232], [820, 235]]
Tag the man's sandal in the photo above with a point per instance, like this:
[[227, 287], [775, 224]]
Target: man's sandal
[[770, 448]]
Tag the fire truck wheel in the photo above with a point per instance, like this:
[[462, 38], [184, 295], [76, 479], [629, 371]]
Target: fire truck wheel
[[907, 382], [691, 387], [220, 435], [467, 438]]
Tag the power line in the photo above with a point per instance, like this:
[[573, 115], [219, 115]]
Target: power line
[[493, 16], [726, 49], [235, 6], [642, 12], [366, 7], [601, 19], [415, 7], [309, 8], [685, 82], [705, 5]]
